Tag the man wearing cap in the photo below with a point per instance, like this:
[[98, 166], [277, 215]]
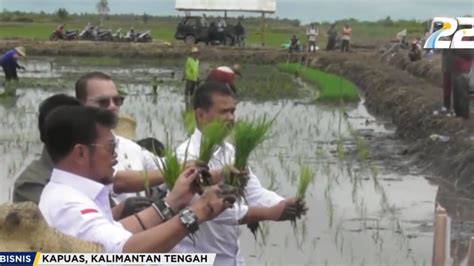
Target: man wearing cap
[[225, 75], [191, 75], [9, 62]]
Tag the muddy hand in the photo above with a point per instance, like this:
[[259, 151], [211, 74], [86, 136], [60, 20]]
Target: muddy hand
[[203, 179], [213, 201], [294, 209], [228, 193], [301, 207]]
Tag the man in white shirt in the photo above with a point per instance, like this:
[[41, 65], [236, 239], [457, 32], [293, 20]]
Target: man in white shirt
[[312, 33], [215, 100], [75, 201], [98, 89]]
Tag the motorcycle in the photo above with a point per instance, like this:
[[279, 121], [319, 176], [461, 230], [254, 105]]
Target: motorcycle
[[89, 33], [104, 35], [67, 35], [117, 36], [144, 37]]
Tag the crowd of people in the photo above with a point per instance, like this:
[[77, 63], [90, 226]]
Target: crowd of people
[[312, 34], [89, 182]]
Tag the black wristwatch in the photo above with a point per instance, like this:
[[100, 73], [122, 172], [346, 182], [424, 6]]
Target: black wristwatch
[[163, 209], [189, 219]]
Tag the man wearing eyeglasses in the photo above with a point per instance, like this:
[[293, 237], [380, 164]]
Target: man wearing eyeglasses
[[98, 90], [75, 201]]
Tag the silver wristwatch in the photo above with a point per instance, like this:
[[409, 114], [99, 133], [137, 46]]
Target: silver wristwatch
[[189, 219]]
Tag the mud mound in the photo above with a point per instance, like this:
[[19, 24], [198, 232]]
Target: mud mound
[[147, 51], [409, 101], [428, 70], [23, 228]]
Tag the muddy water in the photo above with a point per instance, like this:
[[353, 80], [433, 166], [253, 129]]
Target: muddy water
[[367, 206]]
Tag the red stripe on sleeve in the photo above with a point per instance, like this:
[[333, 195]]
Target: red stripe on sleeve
[[86, 211]]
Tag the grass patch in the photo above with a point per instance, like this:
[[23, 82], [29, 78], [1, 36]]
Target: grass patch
[[331, 87], [263, 83], [38, 26]]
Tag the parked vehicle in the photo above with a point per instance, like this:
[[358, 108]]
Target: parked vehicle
[[117, 35], [88, 33], [60, 34], [104, 35], [144, 37], [192, 30]]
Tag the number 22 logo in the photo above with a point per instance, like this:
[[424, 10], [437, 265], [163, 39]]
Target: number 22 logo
[[455, 33]]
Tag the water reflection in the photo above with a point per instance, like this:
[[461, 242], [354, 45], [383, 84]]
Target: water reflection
[[460, 210]]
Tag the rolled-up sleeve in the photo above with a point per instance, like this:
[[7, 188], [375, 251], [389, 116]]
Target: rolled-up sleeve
[[258, 196]]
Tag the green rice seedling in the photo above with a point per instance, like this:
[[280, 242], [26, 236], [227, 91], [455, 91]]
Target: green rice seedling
[[170, 168], [189, 122], [213, 135], [305, 179], [247, 135]]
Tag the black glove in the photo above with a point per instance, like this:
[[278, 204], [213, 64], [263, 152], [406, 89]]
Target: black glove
[[134, 205]]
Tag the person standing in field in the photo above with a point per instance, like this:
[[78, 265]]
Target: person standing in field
[[9, 62], [346, 37], [191, 75], [332, 35], [312, 33]]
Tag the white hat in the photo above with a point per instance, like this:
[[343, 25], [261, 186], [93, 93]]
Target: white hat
[[20, 50], [194, 50]]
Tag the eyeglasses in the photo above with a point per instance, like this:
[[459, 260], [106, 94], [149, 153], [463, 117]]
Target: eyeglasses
[[110, 146], [104, 102]]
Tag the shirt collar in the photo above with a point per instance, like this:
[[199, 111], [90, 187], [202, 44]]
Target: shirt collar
[[90, 188]]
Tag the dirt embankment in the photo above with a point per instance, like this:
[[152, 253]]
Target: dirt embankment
[[409, 101], [146, 51]]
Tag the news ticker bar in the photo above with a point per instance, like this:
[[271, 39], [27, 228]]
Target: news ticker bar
[[38, 258]]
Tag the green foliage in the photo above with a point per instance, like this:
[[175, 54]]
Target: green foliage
[[213, 135], [189, 122], [171, 168], [305, 179], [247, 136], [331, 87], [263, 83], [277, 31], [62, 13]]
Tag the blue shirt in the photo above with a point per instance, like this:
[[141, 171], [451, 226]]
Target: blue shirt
[[8, 59]]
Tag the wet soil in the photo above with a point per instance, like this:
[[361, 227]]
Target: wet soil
[[392, 91]]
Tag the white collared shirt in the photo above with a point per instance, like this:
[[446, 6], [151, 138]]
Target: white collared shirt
[[221, 235], [80, 207], [131, 156]]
